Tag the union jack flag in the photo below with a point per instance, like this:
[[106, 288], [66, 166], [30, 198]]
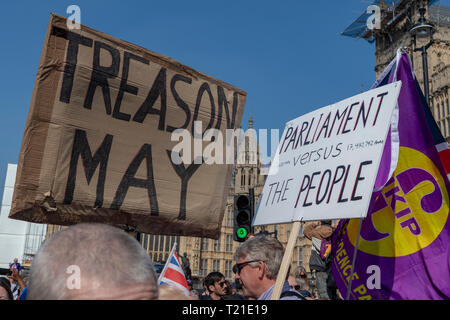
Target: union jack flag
[[172, 274]]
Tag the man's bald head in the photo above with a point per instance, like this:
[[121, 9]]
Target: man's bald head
[[111, 264]]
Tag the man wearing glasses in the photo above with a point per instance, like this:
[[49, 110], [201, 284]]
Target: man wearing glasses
[[258, 261], [216, 285]]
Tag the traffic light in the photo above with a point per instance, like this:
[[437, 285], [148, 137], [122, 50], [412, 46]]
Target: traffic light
[[243, 216]]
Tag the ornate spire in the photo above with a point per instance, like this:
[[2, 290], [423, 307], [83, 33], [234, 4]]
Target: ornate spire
[[250, 122]]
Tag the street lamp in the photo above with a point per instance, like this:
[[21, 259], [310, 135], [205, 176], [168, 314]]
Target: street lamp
[[423, 30]]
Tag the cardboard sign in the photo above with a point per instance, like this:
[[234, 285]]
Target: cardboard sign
[[97, 143], [327, 160]]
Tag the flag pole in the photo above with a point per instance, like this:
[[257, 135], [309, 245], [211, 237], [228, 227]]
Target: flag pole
[[349, 289], [167, 262], [285, 263]]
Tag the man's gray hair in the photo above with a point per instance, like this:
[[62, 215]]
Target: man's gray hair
[[263, 248], [104, 254]]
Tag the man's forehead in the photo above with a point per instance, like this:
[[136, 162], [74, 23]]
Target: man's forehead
[[241, 258]]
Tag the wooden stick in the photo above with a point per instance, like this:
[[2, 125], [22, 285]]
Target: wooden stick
[[285, 263]]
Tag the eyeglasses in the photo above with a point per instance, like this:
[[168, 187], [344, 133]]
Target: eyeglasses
[[222, 284], [238, 266], [295, 287]]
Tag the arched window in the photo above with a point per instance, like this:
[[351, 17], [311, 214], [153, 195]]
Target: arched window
[[230, 217], [156, 243], [438, 112], [448, 108], [161, 243], [144, 241], [448, 125], [151, 242]]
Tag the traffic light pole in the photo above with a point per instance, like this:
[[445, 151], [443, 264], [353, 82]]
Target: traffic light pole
[[242, 216], [251, 194]]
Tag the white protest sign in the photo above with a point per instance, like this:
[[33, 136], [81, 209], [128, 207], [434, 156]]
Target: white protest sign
[[327, 160]]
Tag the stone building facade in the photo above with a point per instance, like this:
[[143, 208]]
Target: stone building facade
[[394, 34]]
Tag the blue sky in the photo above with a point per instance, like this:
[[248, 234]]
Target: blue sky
[[288, 55]]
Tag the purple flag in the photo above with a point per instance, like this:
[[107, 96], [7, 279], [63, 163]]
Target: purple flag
[[403, 251]]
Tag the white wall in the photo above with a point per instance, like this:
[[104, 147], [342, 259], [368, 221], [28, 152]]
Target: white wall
[[12, 232]]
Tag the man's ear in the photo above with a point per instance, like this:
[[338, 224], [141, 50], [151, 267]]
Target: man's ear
[[262, 270], [211, 290]]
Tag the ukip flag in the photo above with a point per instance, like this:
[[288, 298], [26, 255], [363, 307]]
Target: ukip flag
[[403, 250], [172, 274]]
